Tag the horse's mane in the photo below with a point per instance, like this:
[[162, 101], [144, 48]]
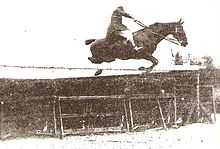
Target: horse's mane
[[154, 24], [157, 25]]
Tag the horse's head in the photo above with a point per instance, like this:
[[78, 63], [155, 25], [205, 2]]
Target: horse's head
[[179, 33]]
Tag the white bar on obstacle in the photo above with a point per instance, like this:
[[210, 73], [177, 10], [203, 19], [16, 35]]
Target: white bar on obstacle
[[43, 72]]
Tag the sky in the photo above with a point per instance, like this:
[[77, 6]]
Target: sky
[[52, 32]]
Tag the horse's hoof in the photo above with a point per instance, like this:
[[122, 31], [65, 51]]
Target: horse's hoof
[[141, 68], [98, 72], [145, 69], [94, 60]]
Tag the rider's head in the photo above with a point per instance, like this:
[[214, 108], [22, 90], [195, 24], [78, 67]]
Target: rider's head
[[120, 8]]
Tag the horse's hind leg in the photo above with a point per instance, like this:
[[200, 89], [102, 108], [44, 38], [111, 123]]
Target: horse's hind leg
[[154, 63], [95, 60]]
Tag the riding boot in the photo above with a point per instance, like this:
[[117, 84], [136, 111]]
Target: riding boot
[[129, 43]]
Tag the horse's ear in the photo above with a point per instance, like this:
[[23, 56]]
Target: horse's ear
[[181, 21]]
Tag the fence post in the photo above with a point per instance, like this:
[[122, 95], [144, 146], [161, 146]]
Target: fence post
[[54, 115], [61, 119], [131, 114], [174, 103], [161, 114], [1, 114], [198, 95], [213, 103], [126, 115]]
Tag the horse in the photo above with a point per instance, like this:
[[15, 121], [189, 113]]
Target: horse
[[146, 38]]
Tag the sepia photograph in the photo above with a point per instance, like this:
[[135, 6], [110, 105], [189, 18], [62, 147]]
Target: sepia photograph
[[113, 74]]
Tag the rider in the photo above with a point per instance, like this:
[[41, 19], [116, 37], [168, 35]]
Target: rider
[[116, 28]]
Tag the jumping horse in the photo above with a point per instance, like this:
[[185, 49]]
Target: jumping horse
[[146, 38]]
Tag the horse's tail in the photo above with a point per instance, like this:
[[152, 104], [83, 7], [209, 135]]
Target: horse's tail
[[89, 41]]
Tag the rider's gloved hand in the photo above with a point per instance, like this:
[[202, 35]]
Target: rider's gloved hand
[[129, 16]]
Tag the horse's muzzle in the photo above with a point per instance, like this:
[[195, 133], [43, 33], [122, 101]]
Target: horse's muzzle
[[184, 43]]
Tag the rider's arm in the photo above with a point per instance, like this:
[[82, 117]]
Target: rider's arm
[[125, 14]]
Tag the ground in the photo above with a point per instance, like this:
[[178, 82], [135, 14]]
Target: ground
[[201, 136]]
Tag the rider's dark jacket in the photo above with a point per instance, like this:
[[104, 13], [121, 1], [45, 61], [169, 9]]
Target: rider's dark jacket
[[116, 25]]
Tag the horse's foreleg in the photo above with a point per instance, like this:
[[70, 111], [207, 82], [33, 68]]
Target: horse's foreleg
[[154, 63]]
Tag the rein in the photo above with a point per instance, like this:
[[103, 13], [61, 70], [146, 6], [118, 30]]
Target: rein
[[174, 41]]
